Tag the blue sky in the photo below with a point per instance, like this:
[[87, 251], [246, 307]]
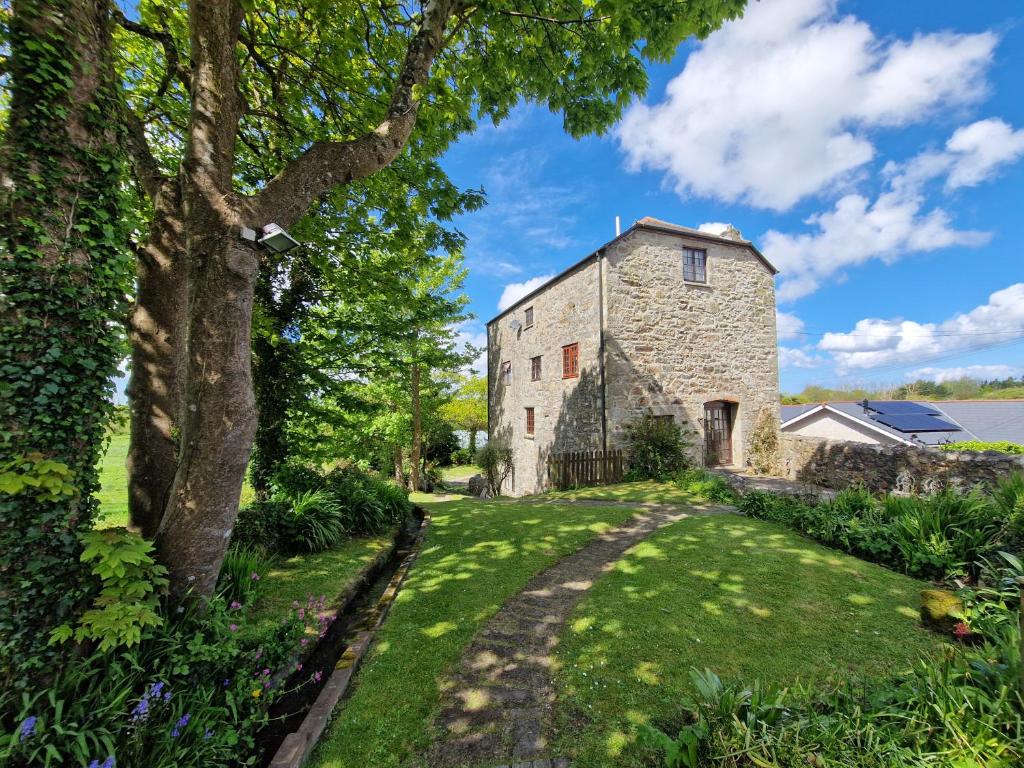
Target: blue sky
[[873, 150]]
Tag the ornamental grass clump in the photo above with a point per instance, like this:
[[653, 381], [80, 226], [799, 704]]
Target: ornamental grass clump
[[963, 707]]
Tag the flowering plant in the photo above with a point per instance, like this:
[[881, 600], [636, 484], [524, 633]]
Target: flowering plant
[[194, 691]]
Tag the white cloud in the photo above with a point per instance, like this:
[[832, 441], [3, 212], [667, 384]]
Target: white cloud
[[984, 372], [788, 325], [896, 223], [855, 231], [515, 291], [471, 334], [974, 154], [494, 266], [798, 358], [713, 227], [875, 342], [778, 105]]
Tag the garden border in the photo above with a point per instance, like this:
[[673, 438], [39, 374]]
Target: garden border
[[298, 745]]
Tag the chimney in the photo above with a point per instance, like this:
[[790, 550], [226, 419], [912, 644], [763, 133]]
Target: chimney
[[732, 233]]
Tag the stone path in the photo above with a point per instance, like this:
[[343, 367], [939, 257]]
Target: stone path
[[496, 709]]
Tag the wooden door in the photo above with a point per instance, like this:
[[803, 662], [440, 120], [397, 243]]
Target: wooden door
[[718, 433]]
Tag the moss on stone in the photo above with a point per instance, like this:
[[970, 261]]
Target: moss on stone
[[940, 609]]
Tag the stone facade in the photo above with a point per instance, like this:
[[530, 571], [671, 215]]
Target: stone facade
[[838, 465], [648, 341]]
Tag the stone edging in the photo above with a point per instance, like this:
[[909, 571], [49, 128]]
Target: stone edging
[[298, 745]]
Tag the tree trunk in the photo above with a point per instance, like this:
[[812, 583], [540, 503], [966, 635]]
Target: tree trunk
[[63, 276], [417, 431], [472, 443], [398, 466], [220, 414], [157, 331]]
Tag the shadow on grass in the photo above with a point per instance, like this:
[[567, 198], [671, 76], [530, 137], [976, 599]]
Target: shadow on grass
[[477, 554], [742, 597]]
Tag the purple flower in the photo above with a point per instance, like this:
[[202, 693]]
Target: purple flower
[[141, 710], [28, 727], [227, 682], [235, 605], [180, 724], [108, 763], [208, 734], [254, 576], [233, 627], [317, 675]]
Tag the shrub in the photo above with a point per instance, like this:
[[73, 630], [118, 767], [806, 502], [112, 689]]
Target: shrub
[[462, 457], [241, 574], [655, 448], [495, 460], [764, 443], [706, 485], [1001, 446], [368, 504], [259, 525], [313, 524], [945, 533], [1008, 496], [295, 478], [931, 536], [129, 593]]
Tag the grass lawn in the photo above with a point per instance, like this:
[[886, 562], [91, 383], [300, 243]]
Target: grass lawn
[[113, 492], [641, 490], [476, 555], [459, 474], [742, 597], [324, 573]]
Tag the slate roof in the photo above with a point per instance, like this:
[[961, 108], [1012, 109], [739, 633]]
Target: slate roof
[[985, 420]]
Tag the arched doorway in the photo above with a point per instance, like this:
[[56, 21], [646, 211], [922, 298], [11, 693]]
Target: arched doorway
[[719, 417]]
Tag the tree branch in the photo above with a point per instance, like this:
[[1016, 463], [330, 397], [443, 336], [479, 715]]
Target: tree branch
[[147, 170], [328, 163], [163, 37]]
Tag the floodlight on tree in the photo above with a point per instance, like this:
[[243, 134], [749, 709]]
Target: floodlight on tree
[[277, 240]]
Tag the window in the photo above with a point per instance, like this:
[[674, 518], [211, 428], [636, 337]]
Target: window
[[535, 368], [529, 422], [506, 373], [571, 361], [695, 265], [528, 317]]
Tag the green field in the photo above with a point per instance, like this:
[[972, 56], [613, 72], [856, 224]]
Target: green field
[[113, 492]]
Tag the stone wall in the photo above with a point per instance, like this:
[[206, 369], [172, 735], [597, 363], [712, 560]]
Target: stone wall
[[841, 464], [567, 412], [673, 346]]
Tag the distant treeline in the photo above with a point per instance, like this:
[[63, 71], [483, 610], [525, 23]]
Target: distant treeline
[[923, 389]]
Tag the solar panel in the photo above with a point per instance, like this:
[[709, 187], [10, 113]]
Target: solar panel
[[916, 422], [901, 408]]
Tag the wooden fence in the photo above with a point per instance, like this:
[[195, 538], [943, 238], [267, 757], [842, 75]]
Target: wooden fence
[[580, 468]]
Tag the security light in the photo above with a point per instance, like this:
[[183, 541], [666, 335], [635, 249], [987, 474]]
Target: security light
[[276, 239]]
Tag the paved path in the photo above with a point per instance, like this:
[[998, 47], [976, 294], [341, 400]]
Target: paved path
[[496, 708]]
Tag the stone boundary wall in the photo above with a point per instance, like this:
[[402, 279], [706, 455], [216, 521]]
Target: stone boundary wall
[[838, 465]]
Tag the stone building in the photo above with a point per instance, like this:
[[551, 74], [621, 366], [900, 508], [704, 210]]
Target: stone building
[[662, 319]]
